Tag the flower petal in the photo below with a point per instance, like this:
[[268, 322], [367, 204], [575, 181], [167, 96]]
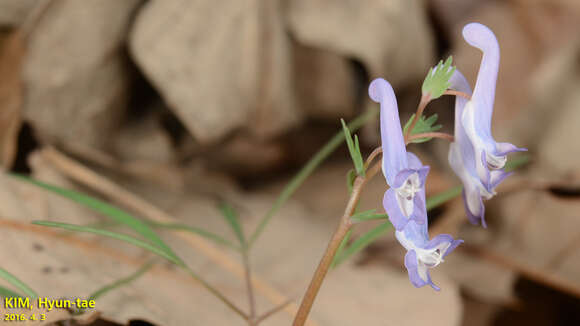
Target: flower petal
[[474, 207], [392, 208], [506, 148], [445, 243], [497, 176], [417, 277], [415, 164], [393, 144]]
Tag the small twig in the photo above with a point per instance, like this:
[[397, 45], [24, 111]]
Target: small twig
[[249, 286], [457, 93], [326, 261], [425, 99], [434, 134], [271, 312]]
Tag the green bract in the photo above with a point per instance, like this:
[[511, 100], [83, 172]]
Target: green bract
[[422, 126], [437, 80]]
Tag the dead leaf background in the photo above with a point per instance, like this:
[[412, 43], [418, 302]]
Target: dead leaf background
[[186, 103]]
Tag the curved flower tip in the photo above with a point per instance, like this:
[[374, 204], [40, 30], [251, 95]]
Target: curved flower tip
[[480, 36], [380, 89]]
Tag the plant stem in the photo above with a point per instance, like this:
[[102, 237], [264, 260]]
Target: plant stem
[[326, 261], [457, 93], [374, 153], [249, 286], [434, 134], [425, 99]]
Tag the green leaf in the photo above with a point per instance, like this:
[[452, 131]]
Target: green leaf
[[121, 282], [362, 242], [350, 176], [343, 243], [423, 125], [206, 234], [119, 236], [172, 226], [233, 220], [307, 170], [109, 211], [437, 80], [7, 293], [353, 149], [443, 197], [28, 292], [367, 216]]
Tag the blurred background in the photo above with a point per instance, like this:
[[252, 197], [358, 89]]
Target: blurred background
[[186, 103]]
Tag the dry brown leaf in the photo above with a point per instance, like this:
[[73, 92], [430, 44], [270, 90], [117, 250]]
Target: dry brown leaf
[[219, 66], [14, 12], [377, 34], [76, 72]]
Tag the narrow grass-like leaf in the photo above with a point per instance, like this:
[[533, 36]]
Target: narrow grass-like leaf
[[369, 217], [362, 242], [121, 282], [307, 170], [443, 197], [359, 164], [119, 236], [517, 161], [206, 234], [7, 293], [231, 217], [171, 226], [28, 292], [343, 244], [109, 211], [353, 149]]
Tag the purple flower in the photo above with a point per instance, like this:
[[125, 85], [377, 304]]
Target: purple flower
[[422, 253], [475, 156], [462, 158], [404, 201], [490, 156]]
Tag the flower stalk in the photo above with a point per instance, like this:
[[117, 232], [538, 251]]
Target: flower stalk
[[343, 227]]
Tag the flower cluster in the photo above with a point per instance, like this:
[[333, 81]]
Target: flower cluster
[[474, 155]]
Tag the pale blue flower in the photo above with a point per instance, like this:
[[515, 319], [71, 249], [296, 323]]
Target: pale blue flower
[[475, 156], [490, 156], [404, 172]]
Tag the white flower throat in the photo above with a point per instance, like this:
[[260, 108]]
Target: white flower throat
[[406, 193]]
